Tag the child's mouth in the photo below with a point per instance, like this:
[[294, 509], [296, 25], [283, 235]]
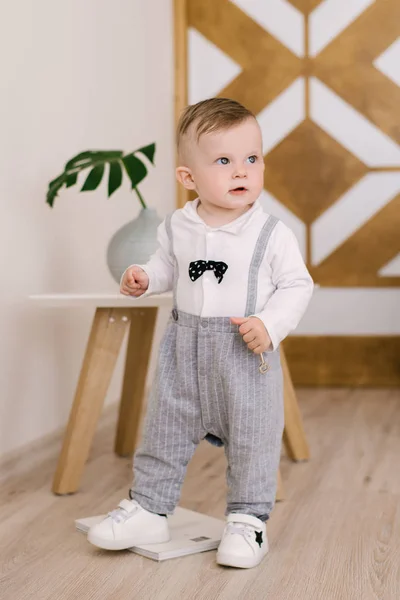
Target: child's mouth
[[238, 191]]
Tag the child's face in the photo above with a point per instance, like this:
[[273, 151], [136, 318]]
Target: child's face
[[226, 168]]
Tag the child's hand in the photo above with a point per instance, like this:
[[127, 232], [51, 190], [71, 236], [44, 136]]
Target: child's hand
[[254, 333], [135, 282]]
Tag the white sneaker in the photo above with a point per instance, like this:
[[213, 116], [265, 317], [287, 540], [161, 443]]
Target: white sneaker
[[244, 542], [127, 526]]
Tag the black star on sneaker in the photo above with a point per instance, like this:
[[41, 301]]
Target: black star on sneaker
[[259, 539]]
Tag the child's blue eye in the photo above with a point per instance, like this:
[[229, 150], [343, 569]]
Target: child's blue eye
[[223, 161], [252, 159]]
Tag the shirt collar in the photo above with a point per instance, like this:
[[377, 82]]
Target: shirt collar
[[190, 212]]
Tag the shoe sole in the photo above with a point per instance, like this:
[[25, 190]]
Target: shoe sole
[[237, 561], [125, 544]]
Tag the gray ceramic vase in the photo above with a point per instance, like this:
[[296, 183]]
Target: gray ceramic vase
[[135, 242]]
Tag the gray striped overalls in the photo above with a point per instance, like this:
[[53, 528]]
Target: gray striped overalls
[[208, 385]]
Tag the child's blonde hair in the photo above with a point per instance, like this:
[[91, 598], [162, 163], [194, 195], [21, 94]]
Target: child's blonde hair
[[211, 115]]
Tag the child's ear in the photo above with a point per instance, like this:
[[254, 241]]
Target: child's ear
[[184, 176]]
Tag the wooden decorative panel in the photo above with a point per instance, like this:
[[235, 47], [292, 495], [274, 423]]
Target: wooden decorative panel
[[323, 79], [319, 162], [305, 6], [372, 361], [309, 183]]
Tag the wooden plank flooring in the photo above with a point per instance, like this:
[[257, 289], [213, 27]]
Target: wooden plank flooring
[[336, 536]]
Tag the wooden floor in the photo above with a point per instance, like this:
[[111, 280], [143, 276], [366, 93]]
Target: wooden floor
[[337, 535]]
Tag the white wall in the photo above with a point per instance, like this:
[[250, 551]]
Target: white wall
[[74, 76]]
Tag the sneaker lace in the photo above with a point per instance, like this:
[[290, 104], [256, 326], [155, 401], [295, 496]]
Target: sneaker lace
[[120, 514], [242, 529]]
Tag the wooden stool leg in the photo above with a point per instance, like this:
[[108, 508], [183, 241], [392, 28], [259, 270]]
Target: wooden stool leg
[[143, 321], [108, 328], [280, 493], [294, 435]]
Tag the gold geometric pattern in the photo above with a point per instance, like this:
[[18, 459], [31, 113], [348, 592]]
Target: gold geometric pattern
[[346, 66], [309, 170], [371, 246], [268, 67], [311, 186], [305, 6]]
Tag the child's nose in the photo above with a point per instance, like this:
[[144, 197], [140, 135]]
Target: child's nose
[[240, 172]]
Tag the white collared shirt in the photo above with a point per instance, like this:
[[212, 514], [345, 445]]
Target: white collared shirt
[[284, 283]]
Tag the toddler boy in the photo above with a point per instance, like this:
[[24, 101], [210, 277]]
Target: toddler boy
[[240, 286]]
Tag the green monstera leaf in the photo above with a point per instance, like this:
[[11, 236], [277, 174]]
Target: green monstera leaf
[[97, 161]]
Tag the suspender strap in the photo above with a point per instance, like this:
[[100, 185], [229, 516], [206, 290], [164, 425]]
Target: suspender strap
[[258, 255]]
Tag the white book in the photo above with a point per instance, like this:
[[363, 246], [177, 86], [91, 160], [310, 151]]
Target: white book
[[191, 532]]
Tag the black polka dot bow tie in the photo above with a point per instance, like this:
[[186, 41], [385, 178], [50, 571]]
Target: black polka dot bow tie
[[197, 268]]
